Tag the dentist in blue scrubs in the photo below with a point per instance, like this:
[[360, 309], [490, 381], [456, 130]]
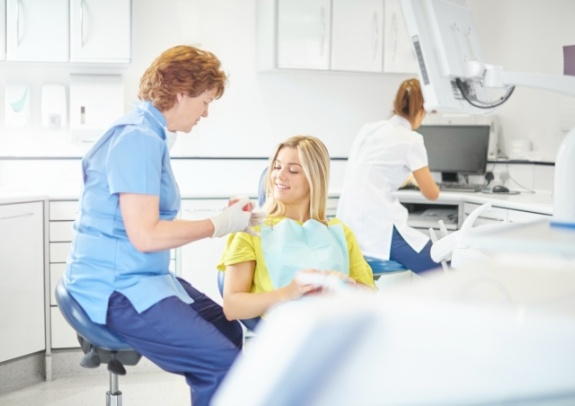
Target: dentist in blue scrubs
[[118, 266]]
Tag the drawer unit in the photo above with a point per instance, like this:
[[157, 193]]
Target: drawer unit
[[62, 215], [498, 214], [491, 216]]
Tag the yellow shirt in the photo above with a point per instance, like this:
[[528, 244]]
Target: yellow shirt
[[243, 247]]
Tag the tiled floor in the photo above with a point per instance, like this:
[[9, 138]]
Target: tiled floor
[[141, 389]]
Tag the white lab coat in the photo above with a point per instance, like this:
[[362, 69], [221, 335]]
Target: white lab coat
[[383, 154]]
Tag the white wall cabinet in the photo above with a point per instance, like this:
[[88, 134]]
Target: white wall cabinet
[[37, 30], [345, 35], [198, 260], [398, 54], [85, 31], [357, 36], [303, 34], [21, 279], [100, 31]]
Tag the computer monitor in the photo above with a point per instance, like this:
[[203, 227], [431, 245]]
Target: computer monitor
[[456, 149]]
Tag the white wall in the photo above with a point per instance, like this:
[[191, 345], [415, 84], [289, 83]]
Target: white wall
[[259, 109], [528, 36]]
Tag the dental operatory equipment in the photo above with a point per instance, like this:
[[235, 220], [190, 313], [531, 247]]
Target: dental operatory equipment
[[458, 247], [477, 337], [455, 78]]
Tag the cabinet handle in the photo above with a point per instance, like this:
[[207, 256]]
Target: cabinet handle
[[18, 23], [489, 218], [375, 35], [81, 23], [15, 216], [322, 16]]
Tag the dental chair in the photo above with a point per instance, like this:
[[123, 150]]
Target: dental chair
[[98, 343], [380, 267]]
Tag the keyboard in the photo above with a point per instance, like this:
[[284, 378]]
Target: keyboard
[[459, 187], [409, 186]]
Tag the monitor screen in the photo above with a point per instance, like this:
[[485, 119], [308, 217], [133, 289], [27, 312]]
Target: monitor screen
[[456, 149]]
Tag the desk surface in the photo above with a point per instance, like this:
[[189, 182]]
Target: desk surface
[[531, 202]]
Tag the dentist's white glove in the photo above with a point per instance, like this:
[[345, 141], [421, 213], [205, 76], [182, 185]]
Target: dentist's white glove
[[233, 219]]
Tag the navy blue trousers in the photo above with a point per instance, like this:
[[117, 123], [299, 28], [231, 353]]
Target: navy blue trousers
[[401, 252], [194, 340]]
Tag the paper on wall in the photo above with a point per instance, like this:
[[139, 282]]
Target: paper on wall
[[17, 101]]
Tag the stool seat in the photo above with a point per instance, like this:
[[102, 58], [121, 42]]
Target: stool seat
[[99, 344], [381, 267], [97, 334]]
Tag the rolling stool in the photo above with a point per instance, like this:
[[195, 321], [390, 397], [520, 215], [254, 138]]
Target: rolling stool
[[381, 268], [98, 343]]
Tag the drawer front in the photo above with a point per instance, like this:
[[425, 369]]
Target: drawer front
[[61, 231], [493, 214], [517, 216], [59, 251], [56, 272], [63, 336], [64, 210]]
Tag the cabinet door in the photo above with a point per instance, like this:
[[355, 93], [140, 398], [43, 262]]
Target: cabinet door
[[303, 34], [492, 216], [398, 56], [100, 31], [37, 30], [198, 259], [21, 280], [3, 31], [519, 216], [357, 35]]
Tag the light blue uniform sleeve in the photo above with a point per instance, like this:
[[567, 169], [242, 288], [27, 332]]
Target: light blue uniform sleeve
[[135, 164]]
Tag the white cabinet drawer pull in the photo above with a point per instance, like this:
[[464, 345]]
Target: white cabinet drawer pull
[[15, 216]]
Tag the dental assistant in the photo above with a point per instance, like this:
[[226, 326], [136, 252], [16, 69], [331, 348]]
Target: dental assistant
[[382, 156], [118, 267]]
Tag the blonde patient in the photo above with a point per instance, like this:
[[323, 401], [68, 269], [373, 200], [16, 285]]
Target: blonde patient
[[296, 237]]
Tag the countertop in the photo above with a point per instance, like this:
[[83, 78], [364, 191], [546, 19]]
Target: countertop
[[539, 202], [9, 196]]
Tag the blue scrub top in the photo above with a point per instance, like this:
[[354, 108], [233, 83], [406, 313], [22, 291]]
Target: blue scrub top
[[132, 157]]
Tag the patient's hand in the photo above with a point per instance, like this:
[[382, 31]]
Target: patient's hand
[[323, 280]]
